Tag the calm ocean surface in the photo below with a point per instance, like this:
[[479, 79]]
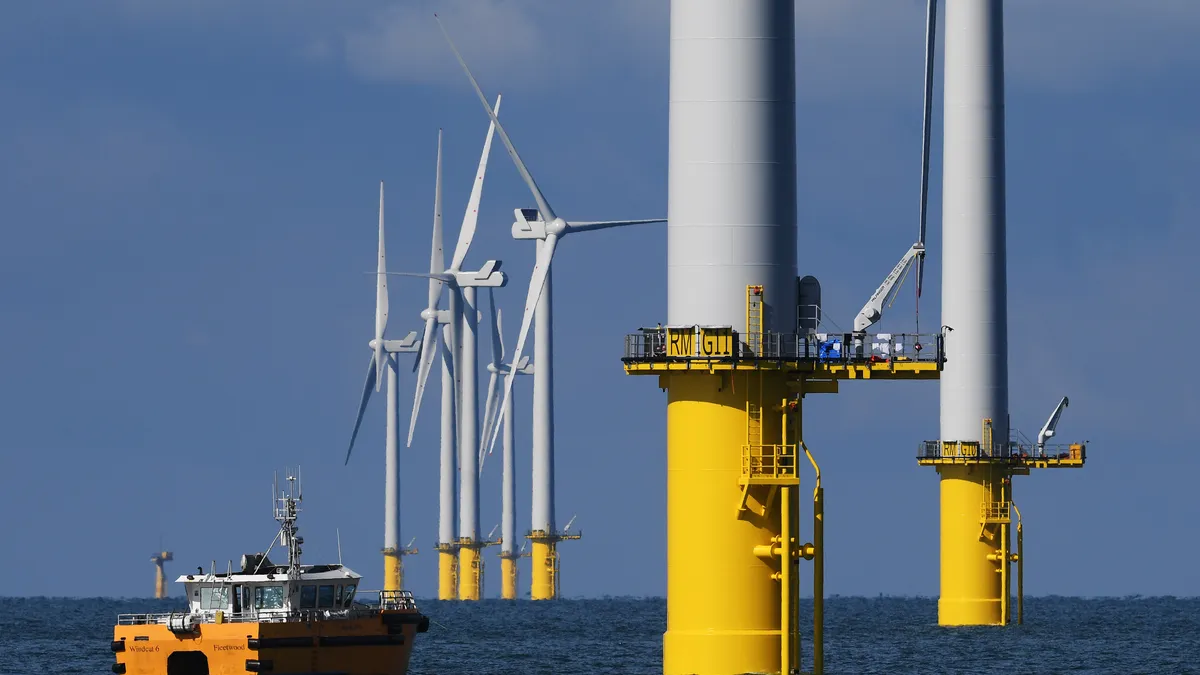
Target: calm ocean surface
[[578, 637]]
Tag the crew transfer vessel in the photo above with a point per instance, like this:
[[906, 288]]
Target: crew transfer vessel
[[269, 618]]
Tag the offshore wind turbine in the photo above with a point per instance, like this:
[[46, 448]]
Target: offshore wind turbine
[[448, 461], [545, 227], [462, 320], [384, 353], [976, 494], [508, 523]]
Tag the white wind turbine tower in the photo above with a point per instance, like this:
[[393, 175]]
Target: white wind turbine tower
[[461, 369], [547, 228], [508, 527], [386, 352]]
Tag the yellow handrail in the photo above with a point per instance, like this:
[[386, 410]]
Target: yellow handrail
[[818, 567], [1020, 570]]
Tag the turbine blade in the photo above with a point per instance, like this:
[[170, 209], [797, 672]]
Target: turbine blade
[[420, 353], [450, 342], [437, 257], [489, 412], [466, 233], [381, 300], [426, 363], [605, 224], [440, 277], [500, 333], [930, 52], [537, 283], [497, 341], [542, 204], [362, 406]]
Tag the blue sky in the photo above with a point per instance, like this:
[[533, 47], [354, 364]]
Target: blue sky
[[187, 208]]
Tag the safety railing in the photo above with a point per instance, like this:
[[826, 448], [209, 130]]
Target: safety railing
[[995, 512], [389, 600], [723, 344], [396, 600], [1012, 451], [769, 461]]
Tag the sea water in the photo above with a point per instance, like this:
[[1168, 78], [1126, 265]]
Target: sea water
[[593, 637]]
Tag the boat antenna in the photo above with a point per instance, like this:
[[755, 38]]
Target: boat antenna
[[339, 540], [287, 510]]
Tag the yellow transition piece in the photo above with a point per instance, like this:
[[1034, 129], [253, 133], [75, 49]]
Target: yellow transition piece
[[723, 606]]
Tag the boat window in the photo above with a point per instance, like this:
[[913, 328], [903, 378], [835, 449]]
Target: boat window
[[308, 597], [325, 596], [349, 595], [337, 599], [214, 598], [268, 597]]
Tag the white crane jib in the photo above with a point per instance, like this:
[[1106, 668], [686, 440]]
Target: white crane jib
[[1051, 425], [886, 293]]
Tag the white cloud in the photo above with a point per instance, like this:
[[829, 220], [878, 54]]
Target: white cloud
[[845, 48], [503, 40], [403, 42]]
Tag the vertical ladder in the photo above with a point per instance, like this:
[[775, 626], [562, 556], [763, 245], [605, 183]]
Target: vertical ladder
[[753, 424], [754, 318], [552, 568]]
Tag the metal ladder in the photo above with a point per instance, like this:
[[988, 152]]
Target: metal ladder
[[754, 319]]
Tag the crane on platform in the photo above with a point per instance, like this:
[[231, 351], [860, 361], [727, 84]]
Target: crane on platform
[[872, 312], [1051, 425]]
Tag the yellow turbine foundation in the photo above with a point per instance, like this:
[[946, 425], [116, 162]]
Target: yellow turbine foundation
[[734, 444], [470, 565], [723, 606], [545, 563], [393, 574], [976, 523], [546, 581], [972, 586], [508, 577], [447, 572]]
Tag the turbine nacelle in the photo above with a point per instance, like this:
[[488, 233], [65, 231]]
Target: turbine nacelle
[[410, 343], [529, 225], [488, 276], [522, 368]]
